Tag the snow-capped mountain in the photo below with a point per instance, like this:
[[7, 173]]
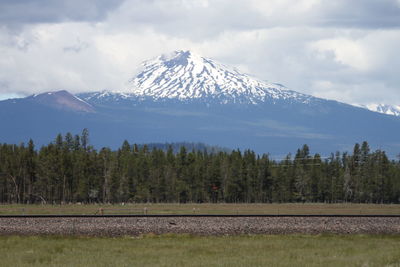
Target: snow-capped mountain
[[183, 75], [383, 108], [185, 97]]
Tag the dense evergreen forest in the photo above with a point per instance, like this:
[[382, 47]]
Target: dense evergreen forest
[[70, 170]]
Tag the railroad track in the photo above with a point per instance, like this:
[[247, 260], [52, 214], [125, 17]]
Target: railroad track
[[197, 224], [200, 215]]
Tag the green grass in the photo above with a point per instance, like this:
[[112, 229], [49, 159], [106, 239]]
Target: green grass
[[308, 208], [183, 250]]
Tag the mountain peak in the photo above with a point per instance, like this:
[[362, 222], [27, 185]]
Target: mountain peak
[[176, 58], [383, 108], [61, 100], [184, 75]]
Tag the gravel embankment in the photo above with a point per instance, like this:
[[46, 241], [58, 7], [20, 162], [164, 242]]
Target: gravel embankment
[[198, 226]]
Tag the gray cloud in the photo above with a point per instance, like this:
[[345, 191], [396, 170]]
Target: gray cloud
[[77, 47], [359, 14], [202, 18], [17, 12], [344, 49]]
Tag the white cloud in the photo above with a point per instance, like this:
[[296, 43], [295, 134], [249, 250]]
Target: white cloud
[[361, 93], [275, 8], [343, 50], [45, 64]]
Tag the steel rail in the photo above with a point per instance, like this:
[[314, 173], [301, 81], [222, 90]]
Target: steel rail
[[199, 215]]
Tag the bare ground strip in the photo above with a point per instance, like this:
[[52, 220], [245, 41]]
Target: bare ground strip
[[120, 226]]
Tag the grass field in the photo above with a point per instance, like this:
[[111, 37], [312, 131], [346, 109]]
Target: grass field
[[181, 250], [308, 208]]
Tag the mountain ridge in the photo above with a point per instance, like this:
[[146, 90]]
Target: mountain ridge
[[184, 75], [393, 110], [265, 117], [61, 100]]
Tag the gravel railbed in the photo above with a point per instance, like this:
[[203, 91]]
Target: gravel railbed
[[198, 226]]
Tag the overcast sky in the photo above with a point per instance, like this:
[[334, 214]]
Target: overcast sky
[[347, 50]]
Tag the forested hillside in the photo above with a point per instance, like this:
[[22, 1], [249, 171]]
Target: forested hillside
[[70, 170]]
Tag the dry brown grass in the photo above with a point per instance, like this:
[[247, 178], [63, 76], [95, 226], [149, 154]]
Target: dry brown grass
[[288, 208]]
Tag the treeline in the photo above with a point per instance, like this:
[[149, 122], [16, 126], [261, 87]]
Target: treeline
[[188, 145], [70, 170]]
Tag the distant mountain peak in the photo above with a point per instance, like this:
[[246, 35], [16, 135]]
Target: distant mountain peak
[[383, 108], [185, 75], [62, 100]]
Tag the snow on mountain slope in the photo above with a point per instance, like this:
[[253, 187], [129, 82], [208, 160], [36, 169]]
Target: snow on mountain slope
[[383, 108], [183, 75], [105, 96]]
